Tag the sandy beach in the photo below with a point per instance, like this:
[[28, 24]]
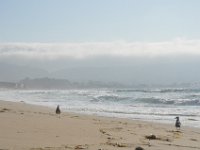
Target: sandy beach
[[30, 127]]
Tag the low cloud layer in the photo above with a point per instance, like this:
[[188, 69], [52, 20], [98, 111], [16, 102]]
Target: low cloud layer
[[174, 61], [174, 47]]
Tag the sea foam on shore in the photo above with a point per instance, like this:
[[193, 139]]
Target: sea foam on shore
[[157, 105]]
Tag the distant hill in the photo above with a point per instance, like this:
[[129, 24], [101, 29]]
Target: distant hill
[[14, 73], [51, 83], [44, 83], [164, 73], [8, 85]]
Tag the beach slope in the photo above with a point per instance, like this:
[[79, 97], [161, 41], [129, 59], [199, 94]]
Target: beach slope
[[30, 127]]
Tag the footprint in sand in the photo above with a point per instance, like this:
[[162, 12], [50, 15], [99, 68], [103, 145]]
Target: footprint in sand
[[116, 144], [116, 129], [104, 132], [4, 110], [77, 146], [47, 148], [160, 138], [193, 140], [74, 117]]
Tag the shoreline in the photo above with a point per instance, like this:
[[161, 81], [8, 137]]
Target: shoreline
[[31, 127], [110, 103], [107, 116]]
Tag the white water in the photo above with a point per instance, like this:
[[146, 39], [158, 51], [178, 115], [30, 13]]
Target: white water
[[158, 105]]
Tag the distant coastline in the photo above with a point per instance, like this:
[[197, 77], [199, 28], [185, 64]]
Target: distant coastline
[[53, 83]]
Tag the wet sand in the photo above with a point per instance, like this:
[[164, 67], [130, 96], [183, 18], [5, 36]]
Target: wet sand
[[30, 127]]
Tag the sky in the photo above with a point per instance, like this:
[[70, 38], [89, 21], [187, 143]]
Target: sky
[[98, 21], [54, 35]]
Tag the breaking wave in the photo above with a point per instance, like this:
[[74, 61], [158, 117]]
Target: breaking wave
[[146, 104], [146, 100], [168, 90], [189, 102]]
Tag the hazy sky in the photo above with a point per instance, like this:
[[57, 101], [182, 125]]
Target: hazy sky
[[102, 32], [98, 20], [91, 27]]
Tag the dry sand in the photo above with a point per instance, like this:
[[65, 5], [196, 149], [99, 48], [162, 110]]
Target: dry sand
[[29, 127]]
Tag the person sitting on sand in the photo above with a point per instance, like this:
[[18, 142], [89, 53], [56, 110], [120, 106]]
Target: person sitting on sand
[[58, 110]]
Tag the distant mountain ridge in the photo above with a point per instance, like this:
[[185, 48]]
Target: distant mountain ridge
[[14, 73], [51, 83], [136, 74]]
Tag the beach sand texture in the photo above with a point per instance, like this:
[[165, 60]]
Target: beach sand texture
[[29, 127]]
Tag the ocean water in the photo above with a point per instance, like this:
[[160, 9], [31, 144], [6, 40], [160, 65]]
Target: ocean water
[[156, 105]]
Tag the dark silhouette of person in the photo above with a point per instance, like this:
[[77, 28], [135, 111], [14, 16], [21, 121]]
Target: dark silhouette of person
[[58, 110], [177, 123]]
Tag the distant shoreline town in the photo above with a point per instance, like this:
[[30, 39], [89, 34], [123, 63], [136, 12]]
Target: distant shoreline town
[[52, 83]]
